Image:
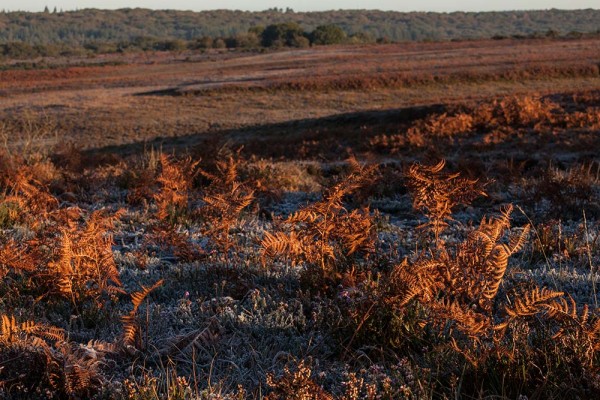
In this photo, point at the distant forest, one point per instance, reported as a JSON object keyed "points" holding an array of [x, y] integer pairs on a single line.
{"points": [[76, 28]]}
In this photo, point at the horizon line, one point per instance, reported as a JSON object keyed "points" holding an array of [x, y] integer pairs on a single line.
{"points": [[284, 11]]}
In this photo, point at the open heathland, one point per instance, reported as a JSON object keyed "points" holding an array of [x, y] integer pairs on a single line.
{"points": [[417, 220]]}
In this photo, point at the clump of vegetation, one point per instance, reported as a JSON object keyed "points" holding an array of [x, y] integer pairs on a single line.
{"points": [[436, 194], [225, 199], [324, 235], [175, 181]]}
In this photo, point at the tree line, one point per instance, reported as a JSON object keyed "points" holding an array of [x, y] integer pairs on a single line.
{"points": [[272, 36], [27, 35], [78, 27]]}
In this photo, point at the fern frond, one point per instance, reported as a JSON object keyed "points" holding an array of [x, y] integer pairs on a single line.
{"points": [[279, 243], [13, 332], [16, 258], [468, 321], [138, 297], [435, 193], [562, 308], [497, 269], [80, 370], [532, 302], [420, 280], [130, 327], [518, 241]]}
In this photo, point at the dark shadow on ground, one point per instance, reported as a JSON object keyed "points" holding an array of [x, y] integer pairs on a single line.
{"points": [[336, 137], [327, 138]]}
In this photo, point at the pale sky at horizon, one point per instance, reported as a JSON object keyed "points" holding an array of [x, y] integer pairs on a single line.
{"points": [[303, 5]]}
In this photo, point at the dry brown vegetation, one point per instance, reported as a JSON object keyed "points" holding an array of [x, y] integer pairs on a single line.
{"points": [[425, 250], [224, 92]]}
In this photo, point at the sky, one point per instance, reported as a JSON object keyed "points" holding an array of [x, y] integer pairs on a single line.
{"points": [[304, 5]]}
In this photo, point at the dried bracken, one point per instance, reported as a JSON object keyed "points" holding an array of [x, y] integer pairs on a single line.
{"points": [[31, 332], [175, 181], [15, 258], [340, 278], [131, 328], [225, 199], [324, 232], [69, 369], [436, 193], [469, 273], [84, 267], [525, 111], [442, 125], [31, 198]]}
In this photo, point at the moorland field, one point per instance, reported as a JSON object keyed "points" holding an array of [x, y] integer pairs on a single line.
{"points": [[375, 221]]}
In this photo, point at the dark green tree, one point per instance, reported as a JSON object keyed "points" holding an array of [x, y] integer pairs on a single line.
{"points": [[279, 35], [328, 34]]}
